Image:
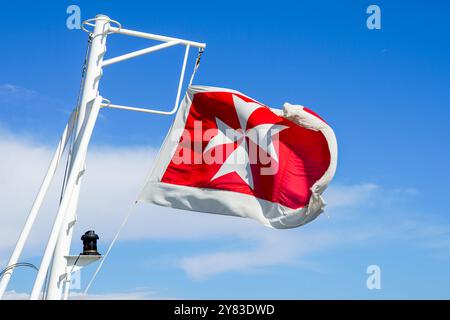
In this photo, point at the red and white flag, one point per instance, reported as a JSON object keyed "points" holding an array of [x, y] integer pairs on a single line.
{"points": [[229, 154]]}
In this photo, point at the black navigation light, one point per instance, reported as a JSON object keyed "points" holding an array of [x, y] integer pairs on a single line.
{"points": [[90, 243]]}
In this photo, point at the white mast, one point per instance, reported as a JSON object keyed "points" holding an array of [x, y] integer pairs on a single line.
{"points": [[58, 277], [58, 245]]}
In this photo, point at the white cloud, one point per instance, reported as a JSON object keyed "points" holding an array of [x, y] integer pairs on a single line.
{"points": [[12, 91], [138, 294], [273, 247], [349, 195], [12, 95], [135, 294], [113, 179], [30, 108], [13, 295]]}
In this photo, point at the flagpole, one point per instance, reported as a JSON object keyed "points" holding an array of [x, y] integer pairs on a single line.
{"points": [[58, 245]]}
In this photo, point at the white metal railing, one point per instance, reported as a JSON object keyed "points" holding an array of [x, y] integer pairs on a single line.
{"points": [[148, 50], [156, 37], [167, 43], [138, 53]]}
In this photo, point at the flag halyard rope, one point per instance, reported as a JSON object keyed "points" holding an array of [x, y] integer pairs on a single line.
{"points": [[197, 64], [130, 211]]}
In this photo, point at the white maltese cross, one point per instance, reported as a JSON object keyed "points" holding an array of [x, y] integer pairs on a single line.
{"points": [[238, 161]]}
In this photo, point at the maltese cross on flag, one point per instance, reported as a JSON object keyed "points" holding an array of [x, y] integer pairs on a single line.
{"points": [[228, 154]]}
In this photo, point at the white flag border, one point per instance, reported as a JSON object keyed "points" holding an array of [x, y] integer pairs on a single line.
{"points": [[233, 203]]}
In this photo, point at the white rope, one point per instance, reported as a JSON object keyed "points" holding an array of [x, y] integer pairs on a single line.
{"points": [[124, 222]]}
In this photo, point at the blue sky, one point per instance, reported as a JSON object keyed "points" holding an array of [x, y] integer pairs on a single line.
{"points": [[385, 92]]}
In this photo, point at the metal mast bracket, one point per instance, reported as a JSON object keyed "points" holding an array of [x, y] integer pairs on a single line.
{"points": [[167, 42], [76, 263]]}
